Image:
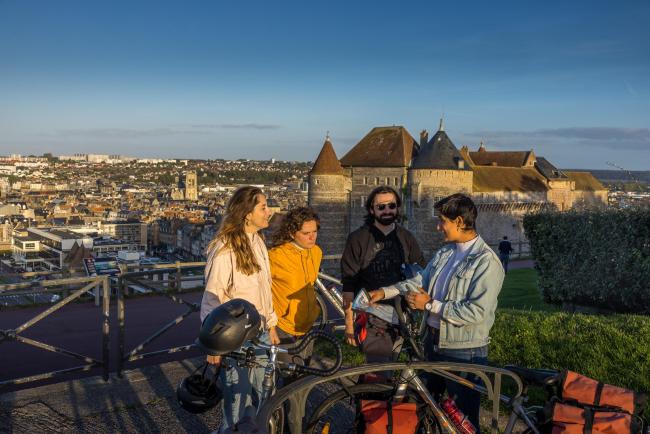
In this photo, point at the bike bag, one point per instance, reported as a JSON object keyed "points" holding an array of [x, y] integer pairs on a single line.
{"points": [[584, 405], [386, 417]]}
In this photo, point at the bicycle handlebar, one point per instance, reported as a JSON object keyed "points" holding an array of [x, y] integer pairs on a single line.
{"points": [[249, 355]]}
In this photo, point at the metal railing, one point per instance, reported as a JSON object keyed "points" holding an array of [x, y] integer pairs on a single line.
{"points": [[99, 284], [174, 284], [166, 280]]}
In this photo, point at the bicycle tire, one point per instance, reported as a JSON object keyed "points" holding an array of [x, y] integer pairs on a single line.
{"points": [[370, 391]]}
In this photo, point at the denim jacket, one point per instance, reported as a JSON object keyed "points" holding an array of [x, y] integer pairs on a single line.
{"points": [[468, 309]]}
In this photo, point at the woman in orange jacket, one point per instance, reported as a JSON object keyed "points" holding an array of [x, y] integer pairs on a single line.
{"points": [[295, 260]]}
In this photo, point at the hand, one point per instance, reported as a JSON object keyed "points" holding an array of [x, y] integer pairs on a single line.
{"points": [[273, 336], [350, 339], [417, 300], [376, 295], [214, 360]]}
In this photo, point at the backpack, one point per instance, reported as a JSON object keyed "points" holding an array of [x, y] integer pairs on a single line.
{"points": [[386, 417], [584, 405]]}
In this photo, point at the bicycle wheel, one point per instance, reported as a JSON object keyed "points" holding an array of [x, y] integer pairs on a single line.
{"points": [[321, 320], [339, 412]]}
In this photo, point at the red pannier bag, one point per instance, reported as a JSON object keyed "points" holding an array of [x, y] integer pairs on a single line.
{"points": [[584, 405], [385, 417]]}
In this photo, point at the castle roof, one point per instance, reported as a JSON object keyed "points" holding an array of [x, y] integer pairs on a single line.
{"points": [[383, 147], [585, 181], [502, 158], [505, 179], [326, 163], [548, 170], [439, 153]]}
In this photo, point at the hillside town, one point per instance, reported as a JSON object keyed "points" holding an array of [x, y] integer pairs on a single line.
{"points": [[56, 211]]}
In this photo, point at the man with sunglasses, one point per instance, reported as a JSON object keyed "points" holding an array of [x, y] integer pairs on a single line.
{"points": [[373, 258]]}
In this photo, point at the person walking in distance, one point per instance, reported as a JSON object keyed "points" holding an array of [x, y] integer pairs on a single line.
{"points": [[505, 249], [238, 267], [372, 258]]}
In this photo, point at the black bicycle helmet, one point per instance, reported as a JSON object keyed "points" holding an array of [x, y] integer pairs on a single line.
{"points": [[228, 326], [199, 392]]}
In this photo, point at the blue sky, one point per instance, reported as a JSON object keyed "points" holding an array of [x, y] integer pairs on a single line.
{"points": [[209, 79]]}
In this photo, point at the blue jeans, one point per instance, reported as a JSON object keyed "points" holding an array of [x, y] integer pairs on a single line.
{"points": [[242, 389], [467, 400]]}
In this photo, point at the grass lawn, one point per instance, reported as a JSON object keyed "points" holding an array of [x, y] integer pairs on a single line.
{"points": [[520, 291]]}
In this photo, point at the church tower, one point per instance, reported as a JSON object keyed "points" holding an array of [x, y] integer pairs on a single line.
{"points": [[329, 192]]}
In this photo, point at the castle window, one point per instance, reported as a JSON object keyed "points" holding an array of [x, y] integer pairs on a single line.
{"points": [[387, 180], [363, 201], [377, 181], [365, 180], [396, 181], [317, 181]]}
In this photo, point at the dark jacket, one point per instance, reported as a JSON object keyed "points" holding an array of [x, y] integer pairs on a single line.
{"points": [[360, 250]]}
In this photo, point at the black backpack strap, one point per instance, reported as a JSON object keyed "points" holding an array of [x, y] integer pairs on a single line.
{"points": [[599, 391], [389, 411], [589, 420]]}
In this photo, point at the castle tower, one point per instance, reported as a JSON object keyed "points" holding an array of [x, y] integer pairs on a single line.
{"points": [[329, 192], [437, 171]]}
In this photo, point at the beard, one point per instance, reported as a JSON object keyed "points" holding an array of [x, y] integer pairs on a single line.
{"points": [[386, 219]]}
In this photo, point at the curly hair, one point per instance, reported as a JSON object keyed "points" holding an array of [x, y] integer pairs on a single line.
{"points": [[292, 222], [231, 232]]}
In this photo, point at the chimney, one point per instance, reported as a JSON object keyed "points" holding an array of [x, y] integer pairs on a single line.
{"points": [[424, 138]]}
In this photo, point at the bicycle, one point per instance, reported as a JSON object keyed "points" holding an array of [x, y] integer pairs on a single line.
{"points": [[248, 359], [328, 296], [409, 387]]}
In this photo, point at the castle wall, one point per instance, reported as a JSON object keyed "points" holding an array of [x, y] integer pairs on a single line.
{"points": [[561, 194], [426, 187], [329, 197]]}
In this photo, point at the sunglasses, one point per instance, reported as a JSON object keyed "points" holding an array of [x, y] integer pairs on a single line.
{"points": [[382, 206]]}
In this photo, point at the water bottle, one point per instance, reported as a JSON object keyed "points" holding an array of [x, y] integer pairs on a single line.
{"points": [[457, 417]]}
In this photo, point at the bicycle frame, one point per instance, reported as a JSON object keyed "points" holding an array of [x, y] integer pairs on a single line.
{"points": [[331, 295]]}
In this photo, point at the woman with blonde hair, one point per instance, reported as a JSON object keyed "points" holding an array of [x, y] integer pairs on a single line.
{"points": [[238, 267]]}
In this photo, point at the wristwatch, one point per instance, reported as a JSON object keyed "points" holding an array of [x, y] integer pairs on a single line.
{"points": [[429, 305]]}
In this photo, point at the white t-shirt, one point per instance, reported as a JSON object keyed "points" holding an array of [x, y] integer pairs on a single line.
{"points": [[441, 285]]}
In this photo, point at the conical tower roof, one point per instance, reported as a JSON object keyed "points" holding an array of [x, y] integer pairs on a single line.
{"points": [[326, 163], [439, 153]]}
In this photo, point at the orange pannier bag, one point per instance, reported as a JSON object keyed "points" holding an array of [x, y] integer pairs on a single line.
{"points": [[385, 417], [584, 405]]}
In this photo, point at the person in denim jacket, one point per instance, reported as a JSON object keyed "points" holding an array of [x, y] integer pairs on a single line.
{"points": [[458, 291]]}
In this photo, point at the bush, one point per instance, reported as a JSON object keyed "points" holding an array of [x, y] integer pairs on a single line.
{"points": [[613, 348], [596, 258]]}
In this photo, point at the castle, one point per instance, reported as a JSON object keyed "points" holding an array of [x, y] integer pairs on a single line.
{"points": [[504, 185]]}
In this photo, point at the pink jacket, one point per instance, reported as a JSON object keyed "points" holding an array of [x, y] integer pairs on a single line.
{"points": [[221, 270]]}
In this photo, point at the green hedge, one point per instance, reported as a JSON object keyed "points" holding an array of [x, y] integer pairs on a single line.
{"points": [[596, 258], [613, 348]]}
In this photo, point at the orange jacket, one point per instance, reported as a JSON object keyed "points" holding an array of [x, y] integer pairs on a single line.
{"points": [[293, 273]]}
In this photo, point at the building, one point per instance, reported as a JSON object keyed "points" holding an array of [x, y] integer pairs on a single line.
{"points": [[133, 232], [186, 187], [504, 185]]}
